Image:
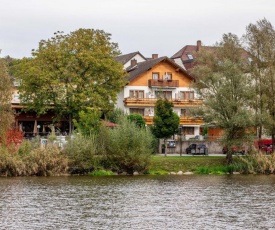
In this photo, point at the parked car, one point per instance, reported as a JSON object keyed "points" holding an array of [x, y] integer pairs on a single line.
{"points": [[264, 145], [234, 149], [171, 144], [197, 149], [267, 149]]}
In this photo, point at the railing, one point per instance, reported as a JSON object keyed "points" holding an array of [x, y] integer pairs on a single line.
{"points": [[191, 120], [183, 120], [163, 83], [151, 102]]}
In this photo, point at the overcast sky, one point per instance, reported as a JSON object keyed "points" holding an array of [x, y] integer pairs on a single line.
{"points": [[149, 26]]}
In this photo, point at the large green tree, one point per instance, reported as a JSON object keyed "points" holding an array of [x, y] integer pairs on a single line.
{"points": [[166, 122], [226, 89], [6, 90], [260, 38], [70, 72]]}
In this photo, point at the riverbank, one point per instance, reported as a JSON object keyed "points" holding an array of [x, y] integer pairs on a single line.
{"points": [[161, 165]]}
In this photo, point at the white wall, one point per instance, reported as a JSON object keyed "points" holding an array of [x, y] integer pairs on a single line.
{"points": [[137, 57]]}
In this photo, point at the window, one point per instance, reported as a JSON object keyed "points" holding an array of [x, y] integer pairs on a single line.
{"points": [[167, 76], [185, 112], [188, 130], [190, 56], [164, 94], [155, 76], [136, 94], [137, 110], [188, 95]]}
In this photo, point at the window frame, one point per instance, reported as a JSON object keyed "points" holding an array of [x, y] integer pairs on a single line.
{"points": [[155, 73], [187, 95], [136, 93], [140, 111]]}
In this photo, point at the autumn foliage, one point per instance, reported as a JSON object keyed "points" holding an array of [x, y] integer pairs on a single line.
{"points": [[14, 137]]}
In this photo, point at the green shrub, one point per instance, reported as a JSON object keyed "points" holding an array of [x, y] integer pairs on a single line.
{"points": [[82, 154], [129, 148], [138, 119], [101, 173], [25, 148]]}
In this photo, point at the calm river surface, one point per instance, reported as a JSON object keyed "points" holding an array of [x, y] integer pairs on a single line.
{"points": [[138, 202]]}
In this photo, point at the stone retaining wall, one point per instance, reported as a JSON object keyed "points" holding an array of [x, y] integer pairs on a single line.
{"points": [[213, 146]]}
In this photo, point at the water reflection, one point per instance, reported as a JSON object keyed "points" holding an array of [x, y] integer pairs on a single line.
{"points": [[143, 202]]}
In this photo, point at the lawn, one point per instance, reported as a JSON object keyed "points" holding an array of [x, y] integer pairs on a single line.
{"points": [[165, 165]]}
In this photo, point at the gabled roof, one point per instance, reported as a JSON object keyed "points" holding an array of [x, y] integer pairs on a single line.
{"points": [[141, 67], [127, 57], [186, 51], [190, 49]]}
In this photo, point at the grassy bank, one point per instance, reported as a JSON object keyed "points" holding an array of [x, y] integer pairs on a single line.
{"points": [[199, 164]]}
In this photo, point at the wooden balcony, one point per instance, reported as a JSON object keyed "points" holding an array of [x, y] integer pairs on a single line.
{"points": [[163, 83], [183, 120], [146, 102], [191, 120]]}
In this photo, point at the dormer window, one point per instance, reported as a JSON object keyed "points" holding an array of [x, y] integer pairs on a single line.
{"points": [[190, 56]]}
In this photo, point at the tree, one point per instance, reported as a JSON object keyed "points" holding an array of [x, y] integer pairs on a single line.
{"points": [[115, 115], [68, 73], [137, 119], [6, 90], [226, 90], [166, 122], [260, 38], [89, 122]]}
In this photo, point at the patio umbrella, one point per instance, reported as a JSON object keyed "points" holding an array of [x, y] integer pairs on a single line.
{"points": [[35, 127], [20, 127]]}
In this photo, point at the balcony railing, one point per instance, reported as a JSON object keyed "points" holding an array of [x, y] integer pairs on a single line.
{"points": [[183, 120], [144, 102], [163, 83]]}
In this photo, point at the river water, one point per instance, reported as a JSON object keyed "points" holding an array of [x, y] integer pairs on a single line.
{"points": [[138, 202]]}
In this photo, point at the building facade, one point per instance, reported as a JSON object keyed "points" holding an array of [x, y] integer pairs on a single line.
{"points": [[156, 78]]}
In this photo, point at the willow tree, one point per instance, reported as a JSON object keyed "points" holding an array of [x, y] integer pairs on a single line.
{"points": [[72, 72], [6, 115], [260, 38], [226, 89]]}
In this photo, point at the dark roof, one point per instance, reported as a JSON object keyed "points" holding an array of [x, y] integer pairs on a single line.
{"points": [[141, 67], [193, 49], [190, 49], [127, 57]]}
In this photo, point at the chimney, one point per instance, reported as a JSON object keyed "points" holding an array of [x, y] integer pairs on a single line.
{"points": [[198, 45], [133, 62], [155, 56]]}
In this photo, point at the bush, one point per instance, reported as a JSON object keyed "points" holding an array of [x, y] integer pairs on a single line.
{"points": [[257, 162], [101, 173], [129, 148], [82, 154], [10, 164], [32, 162], [46, 161]]}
